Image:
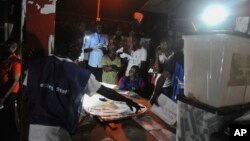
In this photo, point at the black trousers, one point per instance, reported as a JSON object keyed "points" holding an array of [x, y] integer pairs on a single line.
{"points": [[8, 121], [97, 72]]}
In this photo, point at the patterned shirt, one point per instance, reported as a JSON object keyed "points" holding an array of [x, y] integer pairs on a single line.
{"points": [[110, 77]]}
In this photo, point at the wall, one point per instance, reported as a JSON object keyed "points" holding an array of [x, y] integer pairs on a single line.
{"points": [[40, 24]]}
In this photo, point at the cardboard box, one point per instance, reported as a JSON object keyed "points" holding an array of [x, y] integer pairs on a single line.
{"points": [[217, 69]]}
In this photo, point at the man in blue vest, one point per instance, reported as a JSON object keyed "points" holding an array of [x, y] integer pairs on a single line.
{"points": [[55, 86]]}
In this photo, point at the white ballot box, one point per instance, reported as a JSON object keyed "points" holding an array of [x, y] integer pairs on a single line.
{"points": [[217, 69], [198, 122]]}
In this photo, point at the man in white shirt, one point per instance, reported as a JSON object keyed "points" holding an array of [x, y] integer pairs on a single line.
{"points": [[138, 55], [95, 45]]}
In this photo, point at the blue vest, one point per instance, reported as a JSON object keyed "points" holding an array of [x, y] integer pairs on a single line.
{"points": [[55, 91], [177, 81]]}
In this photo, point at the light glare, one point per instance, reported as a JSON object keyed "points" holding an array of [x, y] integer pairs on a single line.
{"points": [[214, 15]]}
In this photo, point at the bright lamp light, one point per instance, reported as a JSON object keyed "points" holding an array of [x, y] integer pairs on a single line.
{"points": [[214, 15]]}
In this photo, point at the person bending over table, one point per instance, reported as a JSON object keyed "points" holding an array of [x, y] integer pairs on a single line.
{"points": [[55, 86]]}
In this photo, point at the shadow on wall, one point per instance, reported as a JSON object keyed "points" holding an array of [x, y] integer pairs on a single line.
{"points": [[32, 49]]}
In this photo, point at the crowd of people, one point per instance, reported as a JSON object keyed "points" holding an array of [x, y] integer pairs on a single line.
{"points": [[111, 57], [53, 86]]}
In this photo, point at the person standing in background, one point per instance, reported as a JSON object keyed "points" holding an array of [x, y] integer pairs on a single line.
{"points": [[111, 65], [84, 56], [137, 57], [10, 72], [96, 45]]}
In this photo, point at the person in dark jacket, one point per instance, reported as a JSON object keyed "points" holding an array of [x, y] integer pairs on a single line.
{"points": [[55, 86]]}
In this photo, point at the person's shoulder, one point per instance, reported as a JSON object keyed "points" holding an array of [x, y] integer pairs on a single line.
{"points": [[14, 58], [92, 35], [142, 48], [124, 78], [117, 58], [105, 56], [44, 59], [104, 35]]}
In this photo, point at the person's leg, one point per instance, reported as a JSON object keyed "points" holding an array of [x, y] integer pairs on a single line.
{"points": [[8, 125]]}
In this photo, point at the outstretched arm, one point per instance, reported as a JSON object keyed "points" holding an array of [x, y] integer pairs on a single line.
{"points": [[113, 95], [94, 86], [13, 84], [159, 84]]}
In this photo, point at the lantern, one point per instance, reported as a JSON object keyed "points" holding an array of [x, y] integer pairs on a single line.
{"points": [[138, 16]]}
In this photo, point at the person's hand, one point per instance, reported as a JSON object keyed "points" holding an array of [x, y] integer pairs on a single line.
{"points": [[103, 48], [154, 101], [100, 45], [120, 50], [125, 55], [132, 104], [76, 61], [107, 68], [114, 67], [88, 49]]}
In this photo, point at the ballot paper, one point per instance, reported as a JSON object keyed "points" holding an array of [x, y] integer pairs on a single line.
{"points": [[111, 86], [123, 92], [114, 111], [167, 109], [108, 110]]}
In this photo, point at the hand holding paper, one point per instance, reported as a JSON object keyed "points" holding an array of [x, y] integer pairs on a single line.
{"points": [[100, 45], [125, 55], [120, 50]]}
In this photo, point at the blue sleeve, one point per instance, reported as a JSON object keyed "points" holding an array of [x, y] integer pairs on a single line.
{"points": [[88, 42], [122, 84], [136, 84]]}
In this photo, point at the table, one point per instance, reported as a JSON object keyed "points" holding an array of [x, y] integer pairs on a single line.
{"points": [[128, 129]]}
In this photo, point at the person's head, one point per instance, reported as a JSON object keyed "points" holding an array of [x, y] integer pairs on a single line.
{"points": [[121, 44], [67, 48], [166, 46], [98, 28], [10, 46], [134, 71], [163, 44], [82, 27], [118, 31], [135, 42], [111, 50]]}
